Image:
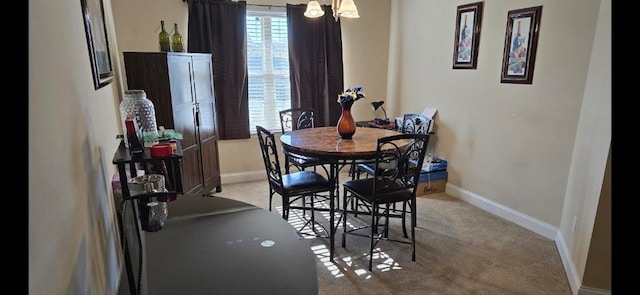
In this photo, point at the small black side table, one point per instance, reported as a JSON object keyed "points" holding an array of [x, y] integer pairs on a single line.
{"points": [[128, 219]]}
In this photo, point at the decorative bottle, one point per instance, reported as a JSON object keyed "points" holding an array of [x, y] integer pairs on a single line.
{"points": [[163, 37], [136, 104], [176, 40]]}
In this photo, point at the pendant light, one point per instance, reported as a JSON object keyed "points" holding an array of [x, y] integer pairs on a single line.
{"points": [[348, 9], [313, 10], [344, 8]]}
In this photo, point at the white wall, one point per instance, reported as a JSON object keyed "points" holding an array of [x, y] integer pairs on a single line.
{"points": [[536, 152], [73, 242], [509, 143], [527, 147], [590, 150]]}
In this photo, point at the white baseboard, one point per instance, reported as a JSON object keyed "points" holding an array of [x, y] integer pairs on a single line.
{"points": [[243, 176], [593, 291], [537, 226], [540, 227], [571, 272], [567, 262]]}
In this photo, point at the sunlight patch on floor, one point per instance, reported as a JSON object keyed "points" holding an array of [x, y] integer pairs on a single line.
{"points": [[358, 264], [322, 253]]}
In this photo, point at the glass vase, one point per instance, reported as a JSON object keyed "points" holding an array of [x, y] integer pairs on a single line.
{"points": [[136, 104], [346, 125]]}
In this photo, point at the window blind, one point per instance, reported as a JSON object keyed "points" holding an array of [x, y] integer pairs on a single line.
{"points": [[268, 68]]}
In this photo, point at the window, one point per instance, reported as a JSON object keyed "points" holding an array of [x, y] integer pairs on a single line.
{"points": [[268, 67]]}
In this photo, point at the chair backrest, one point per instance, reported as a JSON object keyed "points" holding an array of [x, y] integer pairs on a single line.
{"points": [[270, 155], [296, 118], [399, 164], [415, 123]]}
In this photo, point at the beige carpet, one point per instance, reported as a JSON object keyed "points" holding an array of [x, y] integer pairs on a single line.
{"points": [[460, 249]]}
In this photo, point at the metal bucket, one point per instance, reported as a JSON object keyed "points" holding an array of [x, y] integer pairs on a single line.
{"points": [[151, 183]]}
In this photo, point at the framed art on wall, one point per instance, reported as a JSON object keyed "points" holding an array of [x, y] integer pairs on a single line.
{"points": [[96, 31], [520, 44], [467, 38]]}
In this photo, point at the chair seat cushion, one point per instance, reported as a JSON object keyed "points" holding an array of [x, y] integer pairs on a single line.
{"points": [[303, 161], [305, 181], [363, 188], [382, 167]]}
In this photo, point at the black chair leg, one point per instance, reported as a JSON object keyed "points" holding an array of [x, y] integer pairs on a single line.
{"points": [[413, 236], [373, 232], [311, 211], [285, 208], [404, 217], [331, 226], [386, 220], [344, 217]]}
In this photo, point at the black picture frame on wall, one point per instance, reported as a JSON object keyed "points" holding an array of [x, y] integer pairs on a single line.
{"points": [[97, 41], [520, 45], [467, 37]]}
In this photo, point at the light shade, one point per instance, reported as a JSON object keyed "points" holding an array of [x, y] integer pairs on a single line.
{"points": [[313, 10], [345, 8], [377, 104], [348, 9]]}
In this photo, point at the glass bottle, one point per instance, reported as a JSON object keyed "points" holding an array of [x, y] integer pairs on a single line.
{"points": [[136, 104], [163, 37], [176, 40]]}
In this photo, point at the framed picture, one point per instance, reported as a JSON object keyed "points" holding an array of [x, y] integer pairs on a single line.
{"points": [[467, 39], [96, 29], [520, 42]]}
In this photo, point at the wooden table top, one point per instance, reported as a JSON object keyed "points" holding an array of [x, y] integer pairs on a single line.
{"points": [[325, 142]]}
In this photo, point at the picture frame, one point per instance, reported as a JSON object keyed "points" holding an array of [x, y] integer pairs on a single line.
{"points": [[467, 36], [520, 45], [97, 41]]}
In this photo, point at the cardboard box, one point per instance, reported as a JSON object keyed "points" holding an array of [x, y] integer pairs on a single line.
{"points": [[432, 183]]}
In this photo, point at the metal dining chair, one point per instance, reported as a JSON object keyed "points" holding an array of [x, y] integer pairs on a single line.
{"points": [[396, 178], [411, 124], [303, 190], [293, 119]]}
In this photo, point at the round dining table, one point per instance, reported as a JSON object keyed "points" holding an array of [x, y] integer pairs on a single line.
{"points": [[325, 143]]}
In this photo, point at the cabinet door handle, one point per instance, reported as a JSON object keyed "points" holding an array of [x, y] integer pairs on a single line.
{"points": [[197, 118]]}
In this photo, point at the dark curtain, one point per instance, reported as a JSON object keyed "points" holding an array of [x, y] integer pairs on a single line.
{"points": [[219, 27], [315, 62]]}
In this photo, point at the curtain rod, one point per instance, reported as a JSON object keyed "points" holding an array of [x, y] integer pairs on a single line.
{"points": [[266, 5], [259, 5]]}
